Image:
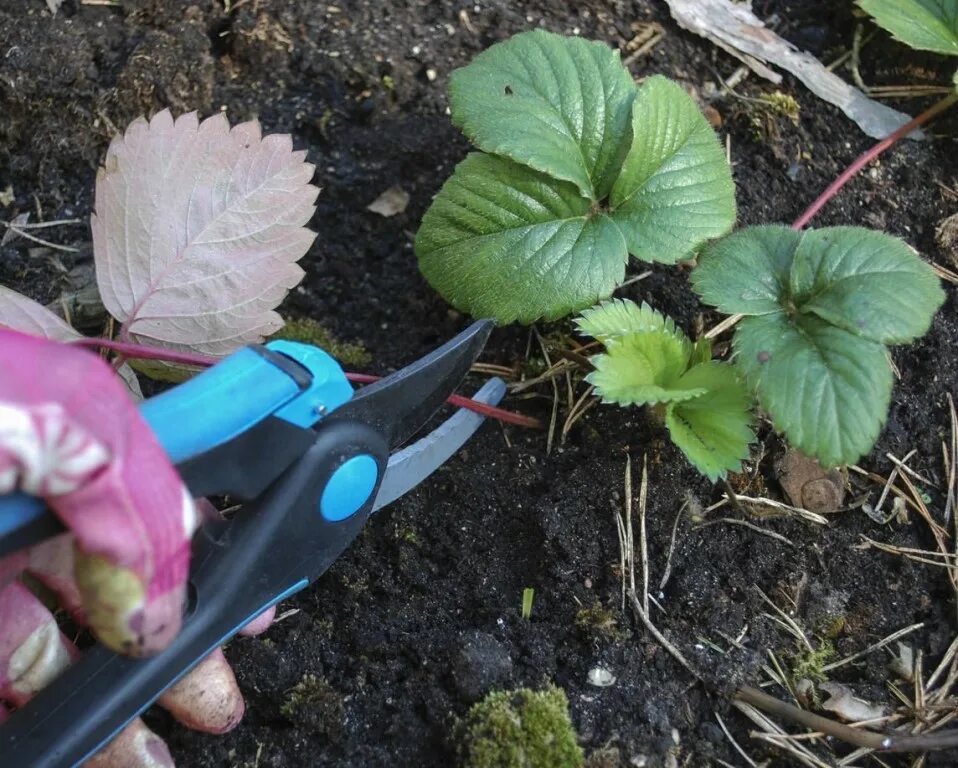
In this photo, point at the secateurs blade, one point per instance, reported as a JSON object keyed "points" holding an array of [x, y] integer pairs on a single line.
{"points": [[281, 428]]}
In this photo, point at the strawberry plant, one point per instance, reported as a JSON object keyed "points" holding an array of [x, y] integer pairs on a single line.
{"points": [[928, 25], [820, 307], [578, 168], [648, 361], [196, 235]]}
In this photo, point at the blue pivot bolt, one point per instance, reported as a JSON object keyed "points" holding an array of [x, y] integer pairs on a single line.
{"points": [[349, 488]]}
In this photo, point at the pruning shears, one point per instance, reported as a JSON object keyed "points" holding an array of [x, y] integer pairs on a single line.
{"points": [[280, 428]]}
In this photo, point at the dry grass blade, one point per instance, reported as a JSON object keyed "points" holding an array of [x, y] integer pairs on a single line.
{"points": [[786, 620], [774, 734], [945, 274], [643, 541], [746, 524], [555, 393], [553, 372], [733, 742], [578, 410], [874, 647], [925, 556], [951, 463], [762, 507], [668, 559]]}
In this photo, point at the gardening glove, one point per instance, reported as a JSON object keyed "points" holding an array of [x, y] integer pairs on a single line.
{"points": [[70, 434]]}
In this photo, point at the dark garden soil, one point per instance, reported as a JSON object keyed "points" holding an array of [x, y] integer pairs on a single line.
{"points": [[422, 615]]}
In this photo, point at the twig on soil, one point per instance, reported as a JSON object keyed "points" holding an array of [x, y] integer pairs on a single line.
{"points": [[883, 742], [773, 733]]}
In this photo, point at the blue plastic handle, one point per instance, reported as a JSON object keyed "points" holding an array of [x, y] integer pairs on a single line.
{"points": [[219, 404]]}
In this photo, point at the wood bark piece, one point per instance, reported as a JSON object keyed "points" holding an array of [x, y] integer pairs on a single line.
{"points": [[739, 32]]}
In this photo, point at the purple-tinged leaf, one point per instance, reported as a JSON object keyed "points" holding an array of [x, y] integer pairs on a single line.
{"points": [[197, 231], [19, 313]]}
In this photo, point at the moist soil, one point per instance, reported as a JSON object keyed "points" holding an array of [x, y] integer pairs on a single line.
{"points": [[421, 616]]}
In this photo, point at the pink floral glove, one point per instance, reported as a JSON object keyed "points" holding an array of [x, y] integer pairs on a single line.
{"points": [[70, 434]]}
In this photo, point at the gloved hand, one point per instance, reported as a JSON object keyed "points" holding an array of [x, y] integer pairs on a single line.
{"points": [[70, 434]]}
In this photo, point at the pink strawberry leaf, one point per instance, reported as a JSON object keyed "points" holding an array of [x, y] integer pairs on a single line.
{"points": [[197, 231], [19, 313]]}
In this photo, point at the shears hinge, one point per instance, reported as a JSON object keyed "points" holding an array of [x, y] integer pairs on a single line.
{"points": [[327, 390]]}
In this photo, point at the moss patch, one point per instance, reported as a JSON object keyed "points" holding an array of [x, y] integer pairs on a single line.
{"points": [[314, 705], [309, 331], [519, 729]]}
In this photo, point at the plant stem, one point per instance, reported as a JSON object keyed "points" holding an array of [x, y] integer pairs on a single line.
{"points": [[880, 742], [847, 175], [146, 352], [866, 157]]}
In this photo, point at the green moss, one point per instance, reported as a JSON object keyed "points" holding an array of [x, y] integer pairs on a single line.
{"points": [[313, 704], [519, 729], [807, 665], [598, 623], [310, 332]]}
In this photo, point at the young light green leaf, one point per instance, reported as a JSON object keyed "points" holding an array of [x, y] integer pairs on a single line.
{"points": [[929, 25], [713, 430], [675, 190], [504, 241], [701, 352], [197, 231], [621, 317], [825, 388], [866, 282], [642, 368], [748, 271], [19, 313], [560, 105]]}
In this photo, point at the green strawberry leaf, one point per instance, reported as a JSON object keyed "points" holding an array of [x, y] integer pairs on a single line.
{"points": [[701, 352], [825, 388], [504, 241], [747, 272], [929, 25], [675, 190], [642, 368], [866, 282], [713, 430], [621, 317], [560, 105]]}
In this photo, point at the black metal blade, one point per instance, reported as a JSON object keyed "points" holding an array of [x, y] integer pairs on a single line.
{"points": [[399, 405]]}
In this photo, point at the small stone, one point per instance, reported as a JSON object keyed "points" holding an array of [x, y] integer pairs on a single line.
{"points": [[809, 486], [483, 663], [431, 74], [600, 677], [947, 235]]}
